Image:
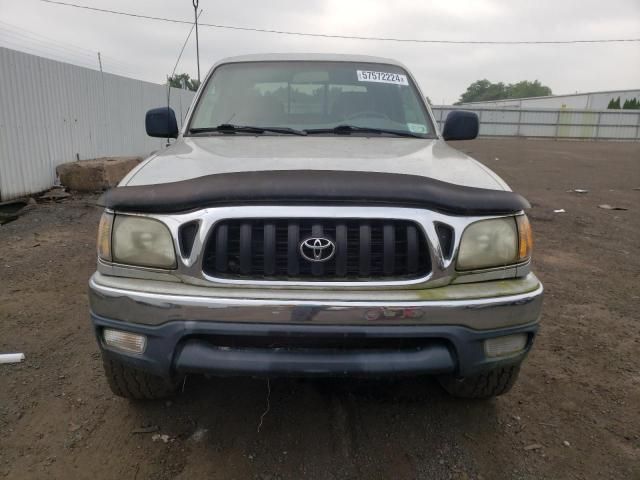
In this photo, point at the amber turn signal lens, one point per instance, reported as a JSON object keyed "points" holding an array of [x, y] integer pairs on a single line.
{"points": [[104, 236], [525, 238]]}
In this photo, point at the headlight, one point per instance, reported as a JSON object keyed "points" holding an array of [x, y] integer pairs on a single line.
{"points": [[495, 243], [142, 241]]}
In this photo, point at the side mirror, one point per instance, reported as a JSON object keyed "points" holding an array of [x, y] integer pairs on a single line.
{"points": [[461, 125], [161, 122]]}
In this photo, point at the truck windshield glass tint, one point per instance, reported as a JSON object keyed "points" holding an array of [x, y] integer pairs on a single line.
{"points": [[313, 95]]}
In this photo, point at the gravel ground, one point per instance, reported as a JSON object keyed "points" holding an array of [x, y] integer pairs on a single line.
{"points": [[575, 412]]}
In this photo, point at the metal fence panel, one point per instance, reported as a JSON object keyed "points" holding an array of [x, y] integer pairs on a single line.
{"points": [[553, 123], [53, 112], [587, 100]]}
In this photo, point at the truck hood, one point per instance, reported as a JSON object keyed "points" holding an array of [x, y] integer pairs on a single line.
{"points": [[193, 157]]}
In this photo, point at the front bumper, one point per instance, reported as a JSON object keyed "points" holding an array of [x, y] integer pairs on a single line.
{"points": [[189, 333]]}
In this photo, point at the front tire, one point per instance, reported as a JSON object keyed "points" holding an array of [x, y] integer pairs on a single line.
{"points": [[492, 383], [129, 382]]}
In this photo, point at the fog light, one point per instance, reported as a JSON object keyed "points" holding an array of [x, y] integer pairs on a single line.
{"points": [[507, 345], [126, 341]]}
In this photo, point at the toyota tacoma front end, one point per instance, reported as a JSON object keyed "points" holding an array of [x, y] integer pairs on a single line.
{"points": [[311, 220]]}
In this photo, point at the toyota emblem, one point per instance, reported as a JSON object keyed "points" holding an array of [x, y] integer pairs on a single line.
{"points": [[317, 249]]}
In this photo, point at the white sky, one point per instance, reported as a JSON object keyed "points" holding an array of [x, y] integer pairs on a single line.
{"points": [[148, 49]]}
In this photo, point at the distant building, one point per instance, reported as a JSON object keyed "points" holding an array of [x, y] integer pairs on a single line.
{"points": [[585, 101]]}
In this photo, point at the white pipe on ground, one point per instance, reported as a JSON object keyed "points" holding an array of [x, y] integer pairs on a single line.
{"points": [[11, 357]]}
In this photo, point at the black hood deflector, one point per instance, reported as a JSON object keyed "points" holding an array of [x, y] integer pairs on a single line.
{"points": [[309, 187]]}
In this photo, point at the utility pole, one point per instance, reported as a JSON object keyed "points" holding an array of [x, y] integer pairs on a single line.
{"points": [[195, 14], [100, 62]]}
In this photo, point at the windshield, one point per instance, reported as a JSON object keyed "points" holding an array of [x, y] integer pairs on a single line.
{"points": [[312, 96]]}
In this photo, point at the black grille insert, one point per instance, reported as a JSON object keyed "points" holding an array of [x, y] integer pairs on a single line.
{"points": [[446, 238], [186, 236], [269, 249]]}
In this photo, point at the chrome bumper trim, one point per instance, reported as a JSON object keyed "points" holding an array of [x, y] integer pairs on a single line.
{"points": [[153, 308]]}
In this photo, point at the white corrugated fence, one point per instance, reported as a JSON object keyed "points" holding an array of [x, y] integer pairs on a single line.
{"points": [[581, 101], [551, 123], [53, 112]]}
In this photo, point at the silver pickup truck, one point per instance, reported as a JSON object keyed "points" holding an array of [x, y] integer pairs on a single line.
{"points": [[311, 220]]}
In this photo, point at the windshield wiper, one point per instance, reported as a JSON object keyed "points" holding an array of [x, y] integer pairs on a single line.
{"points": [[347, 129], [229, 128]]}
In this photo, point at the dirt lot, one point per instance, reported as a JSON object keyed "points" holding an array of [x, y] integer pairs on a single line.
{"points": [[575, 412]]}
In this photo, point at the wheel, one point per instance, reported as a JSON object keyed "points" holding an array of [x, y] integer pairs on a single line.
{"points": [[129, 382], [485, 385]]}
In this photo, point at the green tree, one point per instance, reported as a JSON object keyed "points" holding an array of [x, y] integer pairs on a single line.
{"points": [[526, 89], [614, 104], [632, 104], [481, 90], [485, 90], [180, 79]]}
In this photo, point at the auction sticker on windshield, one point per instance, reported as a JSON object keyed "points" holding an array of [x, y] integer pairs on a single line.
{"points": [[382, 77]]}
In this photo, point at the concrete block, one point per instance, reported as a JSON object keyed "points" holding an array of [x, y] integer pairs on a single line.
{"points": [[96, 174]]}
